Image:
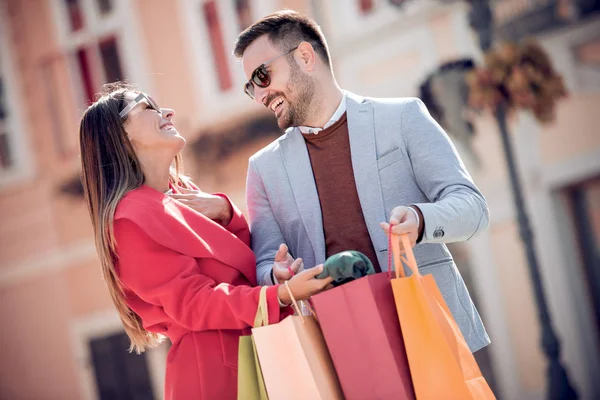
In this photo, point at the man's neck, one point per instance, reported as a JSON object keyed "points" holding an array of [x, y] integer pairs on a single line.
{"points": [[328, 102]]}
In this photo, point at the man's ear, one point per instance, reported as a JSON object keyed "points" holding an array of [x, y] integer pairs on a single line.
{"points": [[307, 56]]}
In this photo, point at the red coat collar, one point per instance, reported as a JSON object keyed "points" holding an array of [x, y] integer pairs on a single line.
{"points": [[182, 229]]}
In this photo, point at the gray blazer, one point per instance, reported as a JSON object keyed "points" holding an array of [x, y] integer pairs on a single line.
{"points": [[400, 156]]}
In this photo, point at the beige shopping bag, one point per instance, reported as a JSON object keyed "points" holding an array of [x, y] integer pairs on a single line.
{"points": [[295, 361]]}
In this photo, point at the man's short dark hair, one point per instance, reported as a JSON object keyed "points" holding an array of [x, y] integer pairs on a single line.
{"points": [[285, 29]]}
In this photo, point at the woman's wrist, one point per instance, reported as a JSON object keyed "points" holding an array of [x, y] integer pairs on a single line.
{"points": [[283, 296]]}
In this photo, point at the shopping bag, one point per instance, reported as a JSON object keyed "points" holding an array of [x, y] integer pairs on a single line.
{"points": [[294, 359], [250, 380], [360, 325], [441, 364]]}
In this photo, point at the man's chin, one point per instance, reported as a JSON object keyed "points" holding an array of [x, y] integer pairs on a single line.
{"points": [[283, 123]]}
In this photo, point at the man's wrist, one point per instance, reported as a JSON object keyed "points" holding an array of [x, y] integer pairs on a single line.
{"points": [[420, 220]]}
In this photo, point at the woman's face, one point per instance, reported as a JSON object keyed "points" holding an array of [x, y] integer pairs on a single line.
{"points": [[150, 127]]}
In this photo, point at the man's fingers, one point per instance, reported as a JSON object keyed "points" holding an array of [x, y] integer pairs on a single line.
{"points": [[296, 265], [398, 216], [281, 253], [401, 228], [396, 229], [386, 227]]}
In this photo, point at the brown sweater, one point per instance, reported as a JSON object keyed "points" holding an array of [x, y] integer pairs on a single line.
{"points": [[343, 221]]}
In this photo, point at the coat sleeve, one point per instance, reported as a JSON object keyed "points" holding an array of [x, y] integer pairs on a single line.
{"points": [[265, 231], [163, 277], [238, 224], [457, 210]]}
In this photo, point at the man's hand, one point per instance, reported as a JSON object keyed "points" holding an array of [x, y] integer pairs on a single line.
{"points": [[214, 207], [404, 220], [284, 266]]}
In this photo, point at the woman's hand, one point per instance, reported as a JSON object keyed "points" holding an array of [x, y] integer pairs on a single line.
{"points": [[214, 207], [304, 285]]}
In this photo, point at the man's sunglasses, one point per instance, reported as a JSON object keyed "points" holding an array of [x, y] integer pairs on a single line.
{"points": [[260, 77], [139, 98]]}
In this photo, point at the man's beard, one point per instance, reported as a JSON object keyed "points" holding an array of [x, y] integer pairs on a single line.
{"points": [[304, 88]]}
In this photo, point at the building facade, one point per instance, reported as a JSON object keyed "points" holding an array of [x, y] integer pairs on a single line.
{"points": [[61, 339]]}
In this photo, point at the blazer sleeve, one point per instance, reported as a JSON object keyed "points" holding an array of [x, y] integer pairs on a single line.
{"points": [[457, 209], [265, 231], [173, 281]]}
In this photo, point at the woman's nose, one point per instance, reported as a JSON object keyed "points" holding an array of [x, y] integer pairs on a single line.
{"points": [[167, 113]]}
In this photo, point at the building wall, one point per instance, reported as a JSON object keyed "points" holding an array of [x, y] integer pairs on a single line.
{"points": [[52, 297]]}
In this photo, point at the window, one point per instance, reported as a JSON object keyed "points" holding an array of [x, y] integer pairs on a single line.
{"points": [[15, 159], [584, 199], [110, 60], [217, 44], [366, 6], [6, 153], [244, 14], [85, 73], [120, 375], [104, 6], [93, 47], [75, 14]]}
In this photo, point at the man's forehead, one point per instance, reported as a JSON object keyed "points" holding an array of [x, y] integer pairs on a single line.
{"points": [[258, 52]]}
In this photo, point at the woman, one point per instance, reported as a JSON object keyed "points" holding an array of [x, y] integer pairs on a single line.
{"points": [[170, 269]]}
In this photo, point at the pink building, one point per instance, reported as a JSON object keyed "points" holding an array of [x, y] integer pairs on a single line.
{"points": [[61, 339]]}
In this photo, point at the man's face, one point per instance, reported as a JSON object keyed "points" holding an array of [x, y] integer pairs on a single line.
{"points": [[290, 91]]}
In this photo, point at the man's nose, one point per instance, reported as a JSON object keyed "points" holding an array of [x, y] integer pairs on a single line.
{"points": [[260, 94]]}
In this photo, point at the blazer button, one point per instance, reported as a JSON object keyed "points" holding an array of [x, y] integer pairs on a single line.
{"points": [[438, 233]]}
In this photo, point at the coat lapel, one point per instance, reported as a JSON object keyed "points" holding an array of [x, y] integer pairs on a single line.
{"points": [[361, 130], [302, 181], [179, 228]]}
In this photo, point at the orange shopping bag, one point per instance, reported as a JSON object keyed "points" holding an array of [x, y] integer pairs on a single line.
{"points": [[441, 364]]}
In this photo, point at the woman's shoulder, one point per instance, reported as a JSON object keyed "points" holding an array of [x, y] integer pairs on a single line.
{"points": [[143, 202]]}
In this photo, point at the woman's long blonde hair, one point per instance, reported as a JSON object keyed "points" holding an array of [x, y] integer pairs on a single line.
{"points": [[109, 170]]}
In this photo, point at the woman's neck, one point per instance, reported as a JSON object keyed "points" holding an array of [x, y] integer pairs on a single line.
{"points": [[156, 171]]}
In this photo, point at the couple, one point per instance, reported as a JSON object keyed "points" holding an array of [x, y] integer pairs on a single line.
{"points": [[181, 263]]}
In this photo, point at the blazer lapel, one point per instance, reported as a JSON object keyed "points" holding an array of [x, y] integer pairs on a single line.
{"points": [[361, 130], [302, 181]]}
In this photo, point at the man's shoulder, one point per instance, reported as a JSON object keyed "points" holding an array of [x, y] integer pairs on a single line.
{"points": [[393, 101], [272, 150], [385, 103]]}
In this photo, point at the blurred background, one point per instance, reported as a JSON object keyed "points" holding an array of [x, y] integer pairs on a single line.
{"points": [[59, 335]]}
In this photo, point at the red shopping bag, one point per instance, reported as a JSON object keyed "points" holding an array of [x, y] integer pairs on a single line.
{"points": [[360, 326]]}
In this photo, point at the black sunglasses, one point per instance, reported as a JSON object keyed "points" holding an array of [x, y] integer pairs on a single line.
{"points": [[260, 76]]}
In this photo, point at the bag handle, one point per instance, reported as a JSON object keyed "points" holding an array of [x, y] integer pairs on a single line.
{"points": [[295, 304], [262, 312], [395, 252]]}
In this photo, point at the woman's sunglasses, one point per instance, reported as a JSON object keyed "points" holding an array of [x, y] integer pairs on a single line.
{"points": [[260, 77], [139, 98]]}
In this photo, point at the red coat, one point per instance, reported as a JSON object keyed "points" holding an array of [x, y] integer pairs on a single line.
{"points": [[192, 280]]}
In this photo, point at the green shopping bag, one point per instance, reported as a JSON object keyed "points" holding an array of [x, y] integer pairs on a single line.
{"points": [[251, 385]]}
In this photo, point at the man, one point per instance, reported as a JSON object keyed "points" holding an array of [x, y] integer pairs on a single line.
{"points": [[345, 164]]}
